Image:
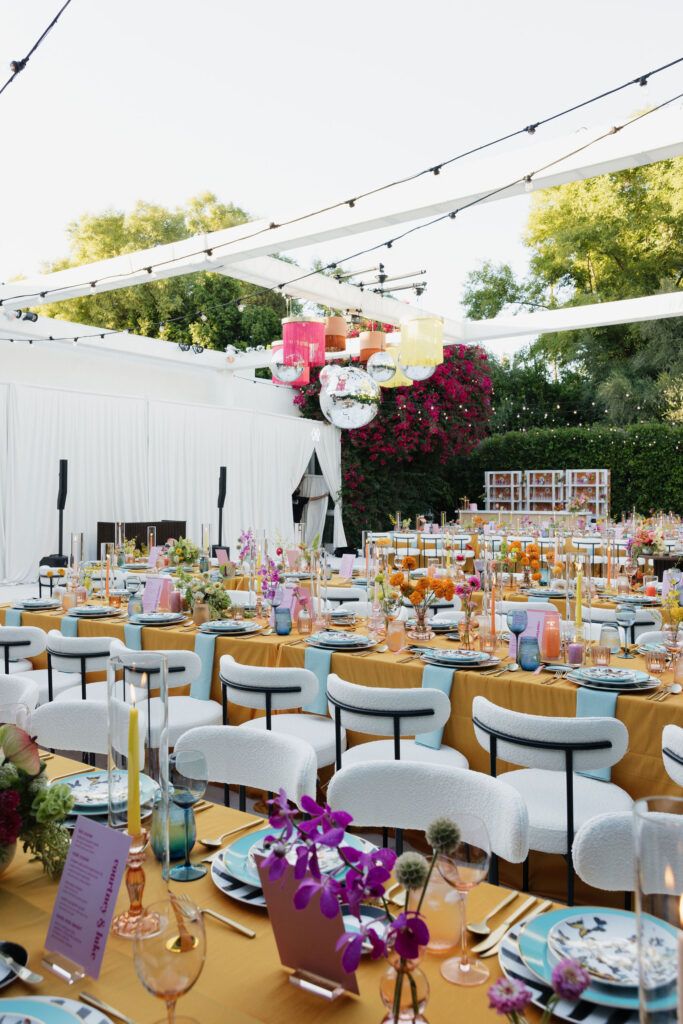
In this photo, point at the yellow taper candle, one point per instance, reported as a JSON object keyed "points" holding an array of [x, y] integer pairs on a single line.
{"points": [[578, 596], [134, 823]]}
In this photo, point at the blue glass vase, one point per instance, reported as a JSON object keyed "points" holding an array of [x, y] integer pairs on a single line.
{"points": [[529, 653], [283, 621], [176, 830]]}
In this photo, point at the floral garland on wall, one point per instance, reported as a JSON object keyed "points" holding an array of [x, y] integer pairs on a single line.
{"points": [[425, 424]]}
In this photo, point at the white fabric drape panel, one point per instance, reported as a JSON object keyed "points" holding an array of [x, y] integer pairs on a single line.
{"points": [[134, 459], [4, 483], [104, 439], [328, 450], [313, 486]]}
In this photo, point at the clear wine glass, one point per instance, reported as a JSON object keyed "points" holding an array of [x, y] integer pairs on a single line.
{"points": [[188, 775], [517, 623], [464, 868], [631, 568], [626, 618], [169, 961]]}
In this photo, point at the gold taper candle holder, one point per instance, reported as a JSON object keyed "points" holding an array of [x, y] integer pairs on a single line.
{"points": [[127, 923]]}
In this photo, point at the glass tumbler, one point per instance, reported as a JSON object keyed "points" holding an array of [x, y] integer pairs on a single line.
{"points": [[529, 653], [609, 637]]}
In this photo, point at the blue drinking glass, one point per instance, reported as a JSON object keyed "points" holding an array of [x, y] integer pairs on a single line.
{"points": [[529, 653], [283, 621], [517, 623], [188, 775]]}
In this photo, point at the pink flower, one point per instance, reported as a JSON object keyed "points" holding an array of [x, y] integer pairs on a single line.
{"points": [[10, 819], [508, 996], [569, 979]]}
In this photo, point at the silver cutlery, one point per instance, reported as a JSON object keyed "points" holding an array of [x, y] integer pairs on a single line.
{"points": [[494, 938], [90, 1000], [668, 691], [185, 900], [21, 972]]}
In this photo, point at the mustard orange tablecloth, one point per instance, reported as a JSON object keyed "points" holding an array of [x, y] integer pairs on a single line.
{"points": [[242, 980]]}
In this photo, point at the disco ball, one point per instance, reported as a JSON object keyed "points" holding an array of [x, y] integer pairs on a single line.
{"points": [[230, 353], [417, 372], [327, 372], [350, 399], [382, 367], [288, 374]]}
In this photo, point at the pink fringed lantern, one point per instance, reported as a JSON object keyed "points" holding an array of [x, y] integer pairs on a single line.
{"points": [[303, 340]]}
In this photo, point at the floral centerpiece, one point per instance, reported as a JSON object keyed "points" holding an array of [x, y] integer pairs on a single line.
{"points": [[201, 589], [404, 989], [580, 503], [646, 542], [246, 546], [182, 551], [387, 596], [465, 591], [674, 608], [28, 809], [270, 576], [421, 593], [510, 997]]}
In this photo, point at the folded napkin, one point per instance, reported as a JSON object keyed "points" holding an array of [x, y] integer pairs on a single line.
{"points": [[596, 704], [204, 646], [435, 678], [69, 625], [318, 661], [133, 636], [13, 617]]}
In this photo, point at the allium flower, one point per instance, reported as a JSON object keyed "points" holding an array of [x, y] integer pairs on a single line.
{"points": [[411, 870], [569, 979], [443, 835], [508, 996]]}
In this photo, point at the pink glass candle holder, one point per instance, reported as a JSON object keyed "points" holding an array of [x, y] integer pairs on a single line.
{"points": [[136, 916]]}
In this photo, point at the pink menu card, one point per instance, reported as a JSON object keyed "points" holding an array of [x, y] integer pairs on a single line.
{"points": [[152, 594], [346, 567], [88, 889], [153, 556], [222, 556]]}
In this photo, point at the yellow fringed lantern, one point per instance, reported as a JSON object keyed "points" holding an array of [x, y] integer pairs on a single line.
{"points": [[421, 341], [399, 380]]}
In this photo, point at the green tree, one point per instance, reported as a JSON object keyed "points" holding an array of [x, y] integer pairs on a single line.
{"points": [[166, 308]]}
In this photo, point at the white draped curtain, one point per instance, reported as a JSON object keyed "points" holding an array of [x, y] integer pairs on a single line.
{"points": [[314, 488], [328, 450], [133, 459]]}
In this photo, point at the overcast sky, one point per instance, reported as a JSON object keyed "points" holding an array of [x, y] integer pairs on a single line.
{"points": [[279, 106]]}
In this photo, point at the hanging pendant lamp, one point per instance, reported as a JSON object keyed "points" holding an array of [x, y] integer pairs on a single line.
{"points": [[421, 345], [303, 339], [399, 379]]}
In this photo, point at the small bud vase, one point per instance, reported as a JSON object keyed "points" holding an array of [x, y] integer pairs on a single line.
{"points": [[404, 990]]}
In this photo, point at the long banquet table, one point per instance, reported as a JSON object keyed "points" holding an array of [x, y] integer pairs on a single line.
{"points": [[242, 980], [640, 772]]}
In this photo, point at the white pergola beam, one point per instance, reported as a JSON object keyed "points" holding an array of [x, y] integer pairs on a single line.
{"points": [[655, 137]]}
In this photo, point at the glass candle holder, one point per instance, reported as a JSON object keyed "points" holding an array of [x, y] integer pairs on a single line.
{"points": [[650, 585], [396, 635], [600, 656], [658, 842], [200, 613], [529, 653], [655, 662], [575, 652]]}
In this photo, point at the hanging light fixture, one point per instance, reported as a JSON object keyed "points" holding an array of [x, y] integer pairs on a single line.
{"points": [[421, 346], [399, 379], [350, 398], [303, 340], [371, 342], [382, 367], [336, 330], [296, 373]]}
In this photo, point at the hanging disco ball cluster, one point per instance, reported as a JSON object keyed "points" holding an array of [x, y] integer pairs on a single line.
{"points": [[350, 395]]}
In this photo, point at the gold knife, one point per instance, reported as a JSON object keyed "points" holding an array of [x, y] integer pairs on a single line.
{"points": [[540, 909], [494, 938], [85, 997]]}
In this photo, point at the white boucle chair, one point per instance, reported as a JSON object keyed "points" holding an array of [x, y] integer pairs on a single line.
{"points": [[410, 795], [655, 636], [83, 725], [263, 760], [17, 645], [553, 751], [77, 656], [49, 681], [390, 712], [672, 752], [603, 853], [346, 595], [279, 689], [18, 690]]}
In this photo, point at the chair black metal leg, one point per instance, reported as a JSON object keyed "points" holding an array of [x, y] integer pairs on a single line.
{"points": [[570, 881], [385, 837], [493, 869], [627, 901], [525, 875], [398, 841], [226, 795], [243, 798]]}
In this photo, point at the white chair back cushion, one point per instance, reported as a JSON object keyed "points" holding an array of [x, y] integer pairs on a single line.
{"points": [[653, 636], [603, 852], [252, 757], [305, 681], [411, 794], [672, 739], [30, 639], [542, 729], [94, 648], [186, 665], [83, 725], [381, 699], [14, 690]]}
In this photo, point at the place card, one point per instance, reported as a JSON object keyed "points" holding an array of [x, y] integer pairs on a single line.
{"points": [[152, 594], [346, 567], [154, 555], [86, 897], [306, 939]]}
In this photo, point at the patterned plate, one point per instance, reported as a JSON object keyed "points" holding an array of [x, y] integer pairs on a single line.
{"points": [[639, 599], [605, 945], [444, 626], [156, 618], [90, 790], [230, 628], [93, 611], [458, 657], [608, 674], [532, 952], [35, 604], [49, 1010], [338, 640]]}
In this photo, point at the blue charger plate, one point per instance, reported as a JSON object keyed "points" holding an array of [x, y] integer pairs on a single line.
{"points": [[235, 857]]}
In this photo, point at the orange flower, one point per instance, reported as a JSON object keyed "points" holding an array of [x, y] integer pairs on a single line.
{"points": [[409, 562], [550, 558], [416, 597], [449, 590], [406, 589], [437, 588], [422, 584], [382, 542], [536, 576], [534, 563], [557, 570], [396, 579], [525, 560]]}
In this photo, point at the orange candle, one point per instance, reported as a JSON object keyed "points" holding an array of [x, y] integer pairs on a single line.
{"points": [[107, 584], [493, 609], [609, 563]]}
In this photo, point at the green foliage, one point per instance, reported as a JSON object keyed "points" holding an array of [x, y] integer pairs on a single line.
{"points": [[527, 394], [645, 460], [159, 309]]}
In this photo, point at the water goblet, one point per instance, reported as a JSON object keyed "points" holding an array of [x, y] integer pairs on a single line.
{"points": [[631, 569], [625, 617], [465, 867], [188, 775], [169, 960], [517, 623]]}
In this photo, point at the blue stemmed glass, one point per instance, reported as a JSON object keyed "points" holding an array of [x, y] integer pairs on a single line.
{"points": [[188, 776], [626, 618], [517, 623]]}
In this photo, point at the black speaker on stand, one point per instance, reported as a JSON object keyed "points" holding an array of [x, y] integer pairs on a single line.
{"points": [[222, 485], [61, 499]]}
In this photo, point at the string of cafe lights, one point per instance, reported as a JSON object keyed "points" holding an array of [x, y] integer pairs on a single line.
{"points": [[240, 301], [435, 169], [17, 66]]}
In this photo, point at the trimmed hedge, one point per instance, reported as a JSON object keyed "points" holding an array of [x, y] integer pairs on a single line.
{"points": [[646, 461]]}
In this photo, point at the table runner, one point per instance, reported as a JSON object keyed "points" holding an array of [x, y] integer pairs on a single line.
{"points": [[596, 704], [317, 660], [435, 677]]}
